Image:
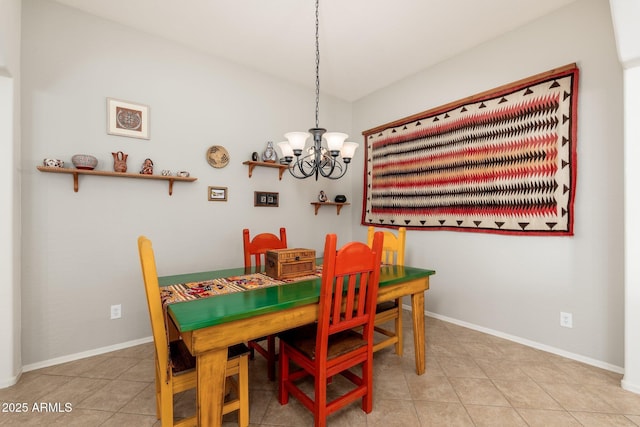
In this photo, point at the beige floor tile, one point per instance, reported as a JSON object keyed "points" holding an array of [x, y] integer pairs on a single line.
{"points": [[76, 390], [493, 416], [478, 391], [144, 403], [438, 414], [143, 371], [433, 388], [390, 413], [130, 420], [576, 397], [508, 370], [547, 418], [32, 387], [115, 395], [593, 419], [461, 367], [111, 367], [526, 394]]}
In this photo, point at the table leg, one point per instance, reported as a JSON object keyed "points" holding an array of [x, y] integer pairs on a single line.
{"points": [[211, 368], [417, 311]]}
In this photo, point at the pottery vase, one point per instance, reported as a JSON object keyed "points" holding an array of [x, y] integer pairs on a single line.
{"points": [[119, 161]]}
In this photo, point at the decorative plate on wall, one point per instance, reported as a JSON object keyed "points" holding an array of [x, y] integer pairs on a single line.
{"points": [[217, 156]]}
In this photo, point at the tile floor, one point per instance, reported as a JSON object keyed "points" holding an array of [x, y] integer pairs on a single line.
{"points": [[472, 379]]}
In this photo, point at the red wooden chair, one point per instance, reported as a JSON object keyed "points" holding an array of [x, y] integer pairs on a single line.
{"points": [[254, 254], [343, 336]]}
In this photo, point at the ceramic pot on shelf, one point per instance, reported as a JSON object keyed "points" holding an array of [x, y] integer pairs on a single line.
{"points": [[119, 161]]}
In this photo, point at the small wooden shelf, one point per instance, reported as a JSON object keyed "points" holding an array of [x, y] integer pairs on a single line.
{"points": [[337, 205], [77, 172], [252, 164]]}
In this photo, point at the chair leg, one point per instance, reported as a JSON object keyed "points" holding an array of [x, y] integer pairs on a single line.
{"points": [[367, 378], [166, 405], [283, 394], [243, 392], [271, 357], [320, 401], [399, 331]]}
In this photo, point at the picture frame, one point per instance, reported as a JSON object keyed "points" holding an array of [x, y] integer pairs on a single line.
{"points": [[217, 194], [266, 199], [126, 118]]}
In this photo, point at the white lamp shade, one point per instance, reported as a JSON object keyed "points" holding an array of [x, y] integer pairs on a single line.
{"points": [[286, 149], [335, 140], [297, 139], [348, 150]]}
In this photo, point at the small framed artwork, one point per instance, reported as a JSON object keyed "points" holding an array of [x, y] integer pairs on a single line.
{"points": [[127, 119], [217, 194], [262, 198]]}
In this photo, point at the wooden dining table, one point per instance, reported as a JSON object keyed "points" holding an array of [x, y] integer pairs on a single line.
{"points": [[208, 326]]}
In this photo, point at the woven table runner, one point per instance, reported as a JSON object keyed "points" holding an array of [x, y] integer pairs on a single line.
{"points": [[208, 288]]}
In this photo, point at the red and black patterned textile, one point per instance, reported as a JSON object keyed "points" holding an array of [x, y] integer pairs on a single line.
{"points": [[500, 162]]}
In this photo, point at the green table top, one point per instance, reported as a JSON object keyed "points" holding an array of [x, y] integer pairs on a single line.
{"points": [[201, 313]]}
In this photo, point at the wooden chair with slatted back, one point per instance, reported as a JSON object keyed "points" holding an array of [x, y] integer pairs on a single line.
{"points": [[175, 367], [254, 255], [392, 253], [342, 338]]}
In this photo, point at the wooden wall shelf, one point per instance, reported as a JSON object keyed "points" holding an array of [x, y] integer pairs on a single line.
{"points": [[337, 205], [77, 172], [252, 164]]}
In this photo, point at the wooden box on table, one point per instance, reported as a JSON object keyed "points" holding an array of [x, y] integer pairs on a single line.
{"points": [[289, 263]]}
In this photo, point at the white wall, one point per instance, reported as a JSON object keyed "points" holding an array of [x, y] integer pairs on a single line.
{"points": [[79, 249], [512, 285], [10, 355]]}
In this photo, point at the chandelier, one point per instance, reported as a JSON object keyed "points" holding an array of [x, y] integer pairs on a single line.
{"points": [[317, 160]]}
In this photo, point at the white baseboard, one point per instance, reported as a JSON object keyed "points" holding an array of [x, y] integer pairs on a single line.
{"points": [[533, 344], [8, 382], [85, 354], [634, 388]]}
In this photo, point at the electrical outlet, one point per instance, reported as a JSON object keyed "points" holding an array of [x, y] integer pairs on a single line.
{"points": [[116, 311], [566, 320]]}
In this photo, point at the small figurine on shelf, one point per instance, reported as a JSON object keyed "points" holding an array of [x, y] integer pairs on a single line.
{"points": [[147, 167], [269, 155], [322, 196]]}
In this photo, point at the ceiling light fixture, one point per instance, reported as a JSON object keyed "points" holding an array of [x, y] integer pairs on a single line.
{"points": [[317, 160]]}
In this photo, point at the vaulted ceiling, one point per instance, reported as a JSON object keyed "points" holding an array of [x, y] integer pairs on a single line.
{"points": [[364, 44]]}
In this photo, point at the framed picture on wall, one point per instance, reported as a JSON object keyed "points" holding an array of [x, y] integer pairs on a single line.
{"points": [[125, 118], [217, 194], [262, 198]]}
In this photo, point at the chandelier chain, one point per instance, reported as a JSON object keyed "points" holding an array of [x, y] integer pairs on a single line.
{"points": [[317, 63]]}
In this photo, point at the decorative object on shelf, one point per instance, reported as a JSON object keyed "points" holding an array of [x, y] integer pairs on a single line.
{"points": [[217, 194], [147, 167], [322, 197], [254, 156], [262, 198], [340, 198], [217, 156], [317, 160], [119, 161], [182, 174], [84, 161], [53, 163], [165, 172], [127, 119], [269, 155]]}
